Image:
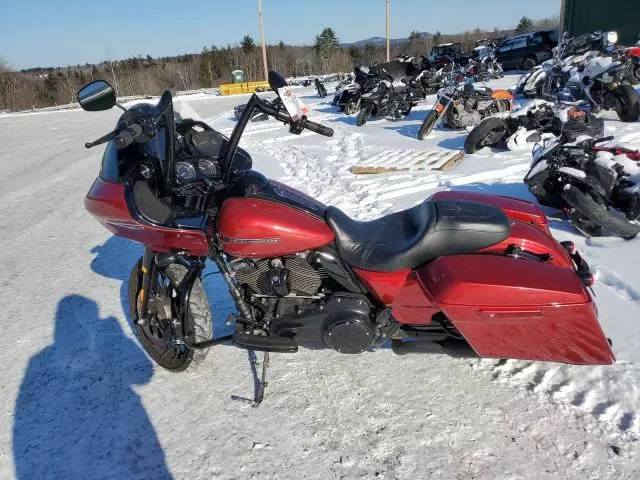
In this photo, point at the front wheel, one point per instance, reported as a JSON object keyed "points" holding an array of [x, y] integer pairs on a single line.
{"points": [[585, 207], [488, 132], [363, 115], [428, 124], [156, 336], [626, 103], [351, 107]]}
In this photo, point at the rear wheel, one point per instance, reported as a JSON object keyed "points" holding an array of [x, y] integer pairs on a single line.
{"points": [[363, 115], [156, 336], [428, 124], [488, 132], [585, 211], [626, 103]]}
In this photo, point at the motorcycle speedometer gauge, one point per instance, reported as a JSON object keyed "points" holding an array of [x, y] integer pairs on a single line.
{"points": [[185, 172], [209, 168]]}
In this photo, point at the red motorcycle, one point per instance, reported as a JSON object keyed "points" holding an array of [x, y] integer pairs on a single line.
{"points": [[461, 273]]}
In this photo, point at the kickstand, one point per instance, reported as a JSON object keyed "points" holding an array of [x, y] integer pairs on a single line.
{"points": [[259, 393]]}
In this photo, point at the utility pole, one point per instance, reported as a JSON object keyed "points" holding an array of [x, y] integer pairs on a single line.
{"points": [[264, 45], [388, 57], [562, 9]]}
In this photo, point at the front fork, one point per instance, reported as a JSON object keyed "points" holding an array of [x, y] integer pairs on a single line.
{"points": [[151, 261]]}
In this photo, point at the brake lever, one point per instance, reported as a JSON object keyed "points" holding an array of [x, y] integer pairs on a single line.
{"points": [[104, 139]]}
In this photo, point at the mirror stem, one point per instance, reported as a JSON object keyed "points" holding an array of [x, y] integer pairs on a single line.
{"points": [[121, 107]]}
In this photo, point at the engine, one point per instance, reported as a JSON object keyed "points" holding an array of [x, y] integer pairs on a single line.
{"points": [[295, 297], [279, 277]]}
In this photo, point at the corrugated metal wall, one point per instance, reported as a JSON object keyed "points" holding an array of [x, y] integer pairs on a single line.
{"points": [[623, 16]]}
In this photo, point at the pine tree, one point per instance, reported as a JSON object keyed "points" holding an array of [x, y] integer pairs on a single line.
{"points": [[525, 25], [248, 44], [437, 37], [205, 65], [326, 45]]}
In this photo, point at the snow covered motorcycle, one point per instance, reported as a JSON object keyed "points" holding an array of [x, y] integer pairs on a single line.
{"points": [[460, 106], [587, 182], [549, 78], [347, 97], [539, 121], [385, 100], [594, 77], [460, 273]]}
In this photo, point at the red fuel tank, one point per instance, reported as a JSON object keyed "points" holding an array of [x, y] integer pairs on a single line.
{"points": [[250, 227]]}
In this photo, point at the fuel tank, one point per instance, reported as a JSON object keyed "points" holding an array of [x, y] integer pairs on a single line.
{"points": [[259, 228]]}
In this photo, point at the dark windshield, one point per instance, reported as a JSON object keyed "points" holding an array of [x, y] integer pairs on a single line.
{"points": [[163, 145]]}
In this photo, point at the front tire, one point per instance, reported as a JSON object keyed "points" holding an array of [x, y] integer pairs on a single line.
{"points": [[487, 133], [585, 206], [628, 104], [351, 107], [363, 115], [428, 124], [158, 345]]}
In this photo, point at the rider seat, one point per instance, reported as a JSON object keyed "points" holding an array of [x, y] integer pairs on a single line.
{"points": [[410, 238]]}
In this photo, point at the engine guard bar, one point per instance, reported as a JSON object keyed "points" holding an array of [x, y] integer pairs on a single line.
{"points": [[582, 267]]}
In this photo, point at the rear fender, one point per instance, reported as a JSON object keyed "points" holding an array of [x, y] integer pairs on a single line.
{"points": [[514, 208]]}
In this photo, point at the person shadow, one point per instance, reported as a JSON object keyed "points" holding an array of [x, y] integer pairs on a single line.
{"points": [[77, 415]]}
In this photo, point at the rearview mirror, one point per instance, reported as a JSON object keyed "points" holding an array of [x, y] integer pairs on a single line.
{"points": [[276, 81], [96, 96]]}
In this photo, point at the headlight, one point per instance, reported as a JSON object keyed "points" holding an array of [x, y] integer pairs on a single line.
{"points": [[185, 172], [209, 168], [612, 37]]}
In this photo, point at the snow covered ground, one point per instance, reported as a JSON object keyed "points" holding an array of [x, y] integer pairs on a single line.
{"points": [[79, 399]]}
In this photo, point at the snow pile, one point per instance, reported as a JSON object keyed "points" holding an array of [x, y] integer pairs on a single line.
{"points": [[80, 400]]}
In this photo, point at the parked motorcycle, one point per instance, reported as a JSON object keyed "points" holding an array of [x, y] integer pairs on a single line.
{"points": [[453, 274], [385, 100], [347, 98], [549, 78], [483, 65], [460, 106], [588, 184], [539, 121], [591, 76], [320, 88], [632, 55]]}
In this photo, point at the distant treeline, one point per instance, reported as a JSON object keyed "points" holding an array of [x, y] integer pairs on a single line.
{"points": [[43, 87]]}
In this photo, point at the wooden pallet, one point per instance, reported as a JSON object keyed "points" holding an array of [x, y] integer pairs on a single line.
{"points": [[406, 161]]}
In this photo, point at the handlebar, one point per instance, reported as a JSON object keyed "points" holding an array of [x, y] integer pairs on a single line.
{"points": [[285, 118], [127, 136], [317, 128]]}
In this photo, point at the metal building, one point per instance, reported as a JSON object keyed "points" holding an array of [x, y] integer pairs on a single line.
{"points": [[583, 16]]}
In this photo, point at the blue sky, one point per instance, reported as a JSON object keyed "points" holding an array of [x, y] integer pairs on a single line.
{"points": [[62, 32]]}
